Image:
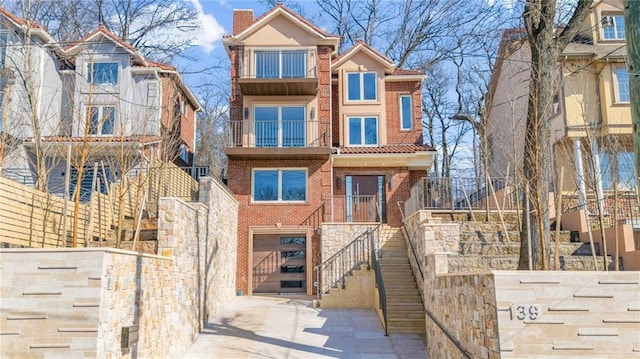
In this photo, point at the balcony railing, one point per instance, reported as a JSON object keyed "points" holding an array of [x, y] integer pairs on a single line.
{"points": [[278, 134], [279, 64]]}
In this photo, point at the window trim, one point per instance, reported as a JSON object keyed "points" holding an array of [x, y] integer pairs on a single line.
{"points": [[101, 108], [280, 170], [401, 112], [362, 131], [361, 86], [616, 85], [614, 26]]}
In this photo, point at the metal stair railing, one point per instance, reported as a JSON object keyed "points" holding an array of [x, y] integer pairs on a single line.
{"points": [[333, 272], [382, 293]]}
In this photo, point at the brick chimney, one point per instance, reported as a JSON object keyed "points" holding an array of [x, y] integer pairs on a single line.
{"points": [[242, 19]]}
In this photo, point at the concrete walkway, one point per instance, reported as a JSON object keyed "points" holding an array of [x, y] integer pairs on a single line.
{"points": [[282, 327]]}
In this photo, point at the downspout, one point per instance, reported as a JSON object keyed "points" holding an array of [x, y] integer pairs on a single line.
{"points": [[330, 143], [578, 163]]}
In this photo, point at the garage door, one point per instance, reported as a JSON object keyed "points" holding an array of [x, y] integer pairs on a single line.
{"points": [[279, 263]]}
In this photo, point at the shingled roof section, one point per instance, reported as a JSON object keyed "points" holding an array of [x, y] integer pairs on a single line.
{"points": [[18, 20], [401, 72], [388, 149]]}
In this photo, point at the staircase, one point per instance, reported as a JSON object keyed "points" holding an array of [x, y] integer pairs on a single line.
{"points": [[405, 310]]}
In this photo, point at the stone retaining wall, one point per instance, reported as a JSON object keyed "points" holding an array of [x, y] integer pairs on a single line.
{"points": [[76, 302]]}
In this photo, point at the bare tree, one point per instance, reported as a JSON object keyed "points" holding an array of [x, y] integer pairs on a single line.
{"points": [[141, 23], [546, 42]]}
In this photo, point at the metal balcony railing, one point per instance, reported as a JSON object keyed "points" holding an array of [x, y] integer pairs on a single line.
{"points": [[353, 208], [279, 64], [265, 134]]}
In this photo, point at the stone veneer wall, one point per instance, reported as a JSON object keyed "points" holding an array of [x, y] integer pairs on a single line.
{"points": [[49, 302], [576, 314], [76, 301]]}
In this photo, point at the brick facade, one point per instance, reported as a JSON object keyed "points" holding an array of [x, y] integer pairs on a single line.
{"points": [[307, 217], [393, 91]]}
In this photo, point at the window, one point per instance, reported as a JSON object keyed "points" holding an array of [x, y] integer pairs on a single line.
{"points": [[3, 48], [624, 164], [622, 80], [363, 131], [613, 27], [281, 64], [361, 86], [278, 185], [102, 73], [280, 126], [102, 120], [406, 115], [103, 179]]}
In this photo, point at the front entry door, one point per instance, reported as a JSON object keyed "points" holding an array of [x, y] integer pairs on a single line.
{"points": [[365, 198], [279, 263]]}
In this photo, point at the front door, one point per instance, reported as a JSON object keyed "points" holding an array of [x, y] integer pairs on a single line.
{"points": [[279, 263], [365, 199]]}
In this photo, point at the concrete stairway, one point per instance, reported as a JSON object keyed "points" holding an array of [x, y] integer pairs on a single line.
{"points": [[405, 310]]}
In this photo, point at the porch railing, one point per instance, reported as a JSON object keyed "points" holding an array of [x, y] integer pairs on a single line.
{"points": [[460, 193], [270, 134], [626, 208], [353, 208]]}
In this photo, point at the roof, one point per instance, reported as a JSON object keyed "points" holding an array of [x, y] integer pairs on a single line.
{"points": [[18, 20], [401, 72], [280, 9], [388, 149], [104, 32], [362, 46]]}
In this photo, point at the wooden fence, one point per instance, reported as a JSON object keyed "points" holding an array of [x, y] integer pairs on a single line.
{"points": [[32, 218]]}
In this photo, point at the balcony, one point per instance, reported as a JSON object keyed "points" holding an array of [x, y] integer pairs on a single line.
{"points": [[279, 73], [278, 139]]}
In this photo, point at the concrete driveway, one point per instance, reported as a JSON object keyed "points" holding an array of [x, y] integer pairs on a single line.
{"points": [[286, 327]]}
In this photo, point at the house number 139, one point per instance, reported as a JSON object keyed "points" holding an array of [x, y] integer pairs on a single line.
{"points": [[524, 311]]}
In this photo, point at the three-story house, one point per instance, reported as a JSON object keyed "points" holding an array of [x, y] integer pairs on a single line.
{"points": [[315, 136]]}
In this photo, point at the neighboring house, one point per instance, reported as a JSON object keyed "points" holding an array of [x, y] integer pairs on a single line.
{"points": [[315, 137], [591, 126], [592, 116], [99, 96]]}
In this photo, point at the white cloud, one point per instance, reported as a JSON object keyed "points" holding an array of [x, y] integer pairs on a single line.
{"points": [[209, 30]]}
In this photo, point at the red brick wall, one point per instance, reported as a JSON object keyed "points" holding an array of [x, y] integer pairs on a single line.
{"points": [[306, 215], [236, 101], [242, 19], [392, 92], [335, 108], [324, 92]]}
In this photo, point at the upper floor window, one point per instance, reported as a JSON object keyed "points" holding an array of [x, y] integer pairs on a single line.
{"points": [[281, 64], [363, 131], [3, 48], [279, 185], [102, 73], [279, 126], [103, 119], [406, 115], [613, 27], [622, 81], [361, 86]]}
